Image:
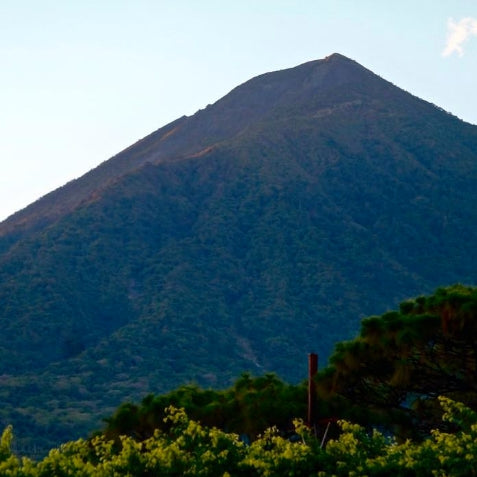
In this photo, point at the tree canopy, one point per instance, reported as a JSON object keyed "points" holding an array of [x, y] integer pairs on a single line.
{"points": [[248, 408], [394, 370], [190, 449]]}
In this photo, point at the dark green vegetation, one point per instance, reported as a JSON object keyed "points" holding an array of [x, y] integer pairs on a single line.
{"points": [[389, 376], [431, 336], [248, 408], [240, 238], [393, 372]]}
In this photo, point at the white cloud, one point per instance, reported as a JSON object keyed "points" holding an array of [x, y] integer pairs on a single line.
{"points": [[458, 33]]}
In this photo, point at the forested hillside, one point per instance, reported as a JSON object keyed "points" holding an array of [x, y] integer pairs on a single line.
{"points": [[391, 376], [256, 428], [238, 239]]}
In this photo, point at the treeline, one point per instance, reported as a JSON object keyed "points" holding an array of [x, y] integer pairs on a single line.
{"points": [[389, 376], [189, 448], [411, 373], [392, 374], [248, 408]]}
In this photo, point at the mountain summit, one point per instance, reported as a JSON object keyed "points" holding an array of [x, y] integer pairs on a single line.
{"points": [[240, 238], [307, 89]]}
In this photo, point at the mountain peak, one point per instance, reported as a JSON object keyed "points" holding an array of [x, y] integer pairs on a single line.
{"points": [[337, 57], [268, 91], [297, 92]]}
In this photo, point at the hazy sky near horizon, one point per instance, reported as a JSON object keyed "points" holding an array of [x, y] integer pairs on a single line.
{"points": [[82, 80]]}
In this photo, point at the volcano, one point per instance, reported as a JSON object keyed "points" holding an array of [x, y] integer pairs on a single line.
{"points": [[238, 239]]}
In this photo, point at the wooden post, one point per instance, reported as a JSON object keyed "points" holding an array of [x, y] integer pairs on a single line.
{"points": [[312, 371]]}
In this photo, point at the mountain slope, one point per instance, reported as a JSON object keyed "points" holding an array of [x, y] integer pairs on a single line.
{"points": [[311, 85], [242, 237]]}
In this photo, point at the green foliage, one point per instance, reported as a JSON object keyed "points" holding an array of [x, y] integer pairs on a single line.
{"points": [[249, 407], [393, 371], [190, 449]]}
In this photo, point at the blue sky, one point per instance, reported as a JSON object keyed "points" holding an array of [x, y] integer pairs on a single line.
{"points": [[81, 80]]}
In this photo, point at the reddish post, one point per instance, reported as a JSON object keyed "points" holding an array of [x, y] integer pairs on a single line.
{"points": [[312, 371]]}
